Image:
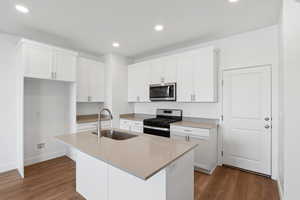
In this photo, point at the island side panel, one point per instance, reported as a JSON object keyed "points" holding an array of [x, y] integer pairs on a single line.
{"points": [[180, 178], [126, 186], [91, 177]]}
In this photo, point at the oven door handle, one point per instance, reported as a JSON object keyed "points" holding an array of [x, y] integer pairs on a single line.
{"points": [[156, 128]]}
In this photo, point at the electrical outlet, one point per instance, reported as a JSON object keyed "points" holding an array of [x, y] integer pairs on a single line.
{"points": [[40, 146]]}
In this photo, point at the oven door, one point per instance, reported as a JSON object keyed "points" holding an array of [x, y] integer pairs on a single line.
{"points": [[163, 132], [166, 92]]}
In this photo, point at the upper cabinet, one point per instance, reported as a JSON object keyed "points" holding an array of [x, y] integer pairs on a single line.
{"points": [[197, 76], [138, 82], [90, 81], [163, 70], [37, 59], [195, 73], [47, 62], [64, 65]]}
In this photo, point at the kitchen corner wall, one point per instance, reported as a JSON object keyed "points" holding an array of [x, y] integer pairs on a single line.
{"points": [[116, 81], [11, 94], [289, 151]]}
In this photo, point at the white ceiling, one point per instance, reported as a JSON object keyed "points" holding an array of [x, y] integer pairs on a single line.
{"points": [[92, 25]]}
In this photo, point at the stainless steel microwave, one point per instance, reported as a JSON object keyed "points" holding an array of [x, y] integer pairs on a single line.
{"points": [[163, 92]]}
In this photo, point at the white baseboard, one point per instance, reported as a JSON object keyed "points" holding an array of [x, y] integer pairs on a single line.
{"points": [[7, 167], [43, 157], [72, 154], [279, 186]]}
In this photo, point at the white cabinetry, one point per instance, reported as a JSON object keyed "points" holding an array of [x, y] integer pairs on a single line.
{"points": [[47, 62], [195, 73], [91, 177], [90, 81], [206, 155], [130, 125], [163, 70], [197, 76], [97, 180], [64, 65], [138, 82]]}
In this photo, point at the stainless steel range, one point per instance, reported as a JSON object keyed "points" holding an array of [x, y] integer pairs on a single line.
{"points": [[160, 125]]}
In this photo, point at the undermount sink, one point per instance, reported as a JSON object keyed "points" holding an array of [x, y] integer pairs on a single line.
{"points": [[115, 135]]}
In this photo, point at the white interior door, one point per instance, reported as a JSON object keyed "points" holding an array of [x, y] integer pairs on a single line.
{"points": [[247, 119]]}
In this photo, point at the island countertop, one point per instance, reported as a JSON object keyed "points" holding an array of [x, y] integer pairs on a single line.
{"points": [[142, 156]]}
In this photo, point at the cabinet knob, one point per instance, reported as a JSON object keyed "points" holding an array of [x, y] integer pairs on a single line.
{"points": [[267, 126], [267, 119]]}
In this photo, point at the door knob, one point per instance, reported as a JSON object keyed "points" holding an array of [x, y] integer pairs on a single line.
{"points": [[267, 118], [267, 126]]}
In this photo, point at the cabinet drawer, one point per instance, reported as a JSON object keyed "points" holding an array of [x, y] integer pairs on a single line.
{"points": [[193, 132]]}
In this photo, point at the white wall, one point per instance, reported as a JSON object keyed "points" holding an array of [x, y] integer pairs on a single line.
{"points": [[291, 82], [46, 115], [116, 82], [9, 119], [255, 48], [88, 108]]}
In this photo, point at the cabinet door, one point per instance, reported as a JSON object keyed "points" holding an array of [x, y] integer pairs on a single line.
{"points": [[170, 69], [133, 74], [202, 157], [185, 82], [205, 75], [137, 127], [82, 80], [178, 137], [38, 61], [91, 177], [125, 124], [64, 65], [96, 81], [157, 71], [138, 82]]}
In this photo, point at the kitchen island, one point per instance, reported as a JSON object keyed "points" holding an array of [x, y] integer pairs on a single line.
{"points": [[142, 167]]}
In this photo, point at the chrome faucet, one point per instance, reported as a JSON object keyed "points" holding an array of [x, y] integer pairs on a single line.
{"points": [[100, 120]]}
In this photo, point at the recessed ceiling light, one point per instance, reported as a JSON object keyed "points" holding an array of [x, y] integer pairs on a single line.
{"points": [[158, 27], [116, 44], [22, 9], [233, 1]]}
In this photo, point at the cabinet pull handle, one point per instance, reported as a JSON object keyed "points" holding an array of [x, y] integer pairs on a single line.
{"points": [[55, 75]]}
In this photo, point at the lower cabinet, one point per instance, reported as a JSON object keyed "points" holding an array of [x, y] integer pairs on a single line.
{"points": [[97, 180], [91, 177], [206, 154], [130, 125]]}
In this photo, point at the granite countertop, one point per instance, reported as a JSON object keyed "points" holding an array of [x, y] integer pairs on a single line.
{"points": [[186, 121], [89, 118], [142, 156]]}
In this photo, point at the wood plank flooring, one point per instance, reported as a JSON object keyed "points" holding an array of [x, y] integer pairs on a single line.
{"points": [[55, 180]]}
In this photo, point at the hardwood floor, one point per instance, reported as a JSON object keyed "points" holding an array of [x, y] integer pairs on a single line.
{"points": [[55, 180]]}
